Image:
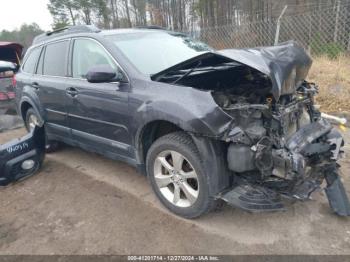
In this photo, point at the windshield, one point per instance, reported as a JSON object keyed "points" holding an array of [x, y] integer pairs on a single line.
{"points": [[152, 52]]}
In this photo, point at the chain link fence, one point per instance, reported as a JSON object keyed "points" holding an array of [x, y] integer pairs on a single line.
{"points": [[325, 31]]}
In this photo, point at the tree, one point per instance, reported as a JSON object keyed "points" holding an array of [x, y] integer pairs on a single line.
{"points": [[103, 12], [115, 16], [63, 12], [126, 6]]}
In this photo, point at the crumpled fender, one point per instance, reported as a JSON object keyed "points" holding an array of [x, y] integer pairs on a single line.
{"points": [[193, 111], [190, 109], [22, 157]]}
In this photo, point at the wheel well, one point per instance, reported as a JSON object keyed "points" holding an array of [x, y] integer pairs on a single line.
{"points": [[152, 131], [24, 108]]}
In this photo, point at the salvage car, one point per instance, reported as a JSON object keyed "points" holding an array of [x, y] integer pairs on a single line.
{"points": [[204, 125], [10, 54]]}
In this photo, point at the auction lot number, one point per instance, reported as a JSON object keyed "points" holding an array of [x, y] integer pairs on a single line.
{"points": [[173, 258]]}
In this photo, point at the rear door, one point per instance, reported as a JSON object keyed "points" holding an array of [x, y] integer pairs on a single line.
{"points": [[98, 112], [25, 76], [50, 82]]}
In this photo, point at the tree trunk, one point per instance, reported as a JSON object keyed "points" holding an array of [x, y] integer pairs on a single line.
{"points": [[115, 21], [71, 15], [336, 29], [126, 4]]}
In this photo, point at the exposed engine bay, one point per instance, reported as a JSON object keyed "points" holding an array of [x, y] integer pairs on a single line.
{"points": [[278, 143], [284, 146]]}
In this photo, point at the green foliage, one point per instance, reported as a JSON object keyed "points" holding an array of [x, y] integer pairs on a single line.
{"points": [[24, 35], [331, 49], [62, 12], [60, 24]]}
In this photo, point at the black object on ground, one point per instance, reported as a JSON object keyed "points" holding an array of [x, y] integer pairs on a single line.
{"points": [[22, 157]]}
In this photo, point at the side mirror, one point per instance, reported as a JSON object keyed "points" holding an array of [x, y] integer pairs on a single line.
{"points": [[102, 74], [7, 66]]}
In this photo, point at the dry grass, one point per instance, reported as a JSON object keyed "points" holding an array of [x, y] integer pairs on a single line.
{"points": [[333, 79]]}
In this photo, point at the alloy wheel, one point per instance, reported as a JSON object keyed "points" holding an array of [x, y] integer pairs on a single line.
{"points": [[176, 178]]}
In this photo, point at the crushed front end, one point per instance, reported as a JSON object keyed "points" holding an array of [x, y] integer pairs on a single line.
{"points": [[282, 148], [277, 142]]}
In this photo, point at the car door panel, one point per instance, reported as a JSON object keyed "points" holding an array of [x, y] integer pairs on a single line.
{"points": [[51, 83], [101, 112], [97, 112], [52, 95]]}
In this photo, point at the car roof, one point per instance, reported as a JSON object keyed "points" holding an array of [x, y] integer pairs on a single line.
{"points": [[88, 30], [132, 31]]}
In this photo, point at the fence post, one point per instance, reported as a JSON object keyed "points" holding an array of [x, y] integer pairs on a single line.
{"points": [[279, 25], [310, 33], [336, 29]]}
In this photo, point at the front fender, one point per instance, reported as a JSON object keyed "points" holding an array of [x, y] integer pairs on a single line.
{"points": [[183, 118], [190, 109]]}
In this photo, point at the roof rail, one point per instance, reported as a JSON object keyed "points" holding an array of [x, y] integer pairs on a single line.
{"points": [[156, 27], [66, 31]]}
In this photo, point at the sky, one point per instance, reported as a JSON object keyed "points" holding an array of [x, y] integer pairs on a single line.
{"points": [[13, 13]]}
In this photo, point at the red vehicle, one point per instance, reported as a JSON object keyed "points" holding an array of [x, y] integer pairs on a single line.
{"points": [[10, 54]]}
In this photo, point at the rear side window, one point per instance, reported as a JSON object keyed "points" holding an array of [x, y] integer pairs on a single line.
{"points": [[29, 65], [55, 59]]}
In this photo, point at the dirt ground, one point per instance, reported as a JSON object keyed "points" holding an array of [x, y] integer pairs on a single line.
{"points": [[82, 203], [333, 79]]}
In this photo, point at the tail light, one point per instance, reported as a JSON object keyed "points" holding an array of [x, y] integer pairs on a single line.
{"points": [[3, 96], [11, 95], [14, 81]]}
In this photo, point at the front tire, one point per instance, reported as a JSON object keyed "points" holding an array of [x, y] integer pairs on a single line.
{"points": [[32, 120], [176, 174]]}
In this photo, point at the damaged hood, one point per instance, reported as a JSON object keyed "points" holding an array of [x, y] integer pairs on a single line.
{"points": [[286, 64]]}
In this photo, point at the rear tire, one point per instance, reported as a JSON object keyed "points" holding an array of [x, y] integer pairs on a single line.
{"points": [[176, 174], [31, 121]]}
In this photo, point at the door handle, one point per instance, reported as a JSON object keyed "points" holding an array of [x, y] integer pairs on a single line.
{"points": [[72, 91], [36, 85]]}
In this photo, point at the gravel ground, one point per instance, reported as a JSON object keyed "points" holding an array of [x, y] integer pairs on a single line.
{"points": [[82, 203]]}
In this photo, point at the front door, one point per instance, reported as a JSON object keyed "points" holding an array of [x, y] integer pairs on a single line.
{"points": [[97, 112]]}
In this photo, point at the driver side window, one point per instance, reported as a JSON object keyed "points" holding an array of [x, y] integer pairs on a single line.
{"points": [[86, 54]]}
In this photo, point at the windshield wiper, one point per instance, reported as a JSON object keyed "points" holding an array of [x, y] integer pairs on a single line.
{"points": [[188, 72], [182, 73]]}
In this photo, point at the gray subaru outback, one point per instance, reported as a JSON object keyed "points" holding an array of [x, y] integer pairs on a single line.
{"points": [[204, 125]]}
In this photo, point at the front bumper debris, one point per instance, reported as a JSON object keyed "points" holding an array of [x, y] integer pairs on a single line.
{"points": [[336, 194], [253, 198], [23, 157], [293, 172]]}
